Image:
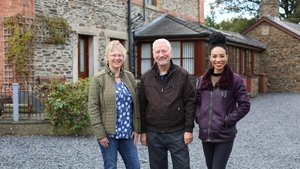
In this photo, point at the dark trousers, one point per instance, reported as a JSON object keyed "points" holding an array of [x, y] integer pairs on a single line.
{"points": [[217, 154], [160, 143]]}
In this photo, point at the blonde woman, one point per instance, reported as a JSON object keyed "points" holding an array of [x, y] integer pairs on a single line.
{"points": [[114, 110]]}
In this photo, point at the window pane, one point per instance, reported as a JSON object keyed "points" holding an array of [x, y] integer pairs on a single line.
{"points": [[150, 2], [238, 58], [243, 62], [188, 64], [188, 58], [81, 55], [146, 64], [175, 50], [176, 61], [146, 50], [146, 57]]}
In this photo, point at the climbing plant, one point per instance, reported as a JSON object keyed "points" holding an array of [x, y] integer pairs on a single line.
{"points": [[22, 34], [20, 48], [57, 28]]}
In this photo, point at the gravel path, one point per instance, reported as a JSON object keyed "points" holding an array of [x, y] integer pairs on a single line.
{"points": [[268, 138]]}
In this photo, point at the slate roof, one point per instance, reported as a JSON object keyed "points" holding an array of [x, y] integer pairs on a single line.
{"points": [[291, 28], [168, 26]]}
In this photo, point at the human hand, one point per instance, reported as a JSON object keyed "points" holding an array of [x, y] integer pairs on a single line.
{"points": [[104, 142], [143, 139], [135, 136], [188, 137]]}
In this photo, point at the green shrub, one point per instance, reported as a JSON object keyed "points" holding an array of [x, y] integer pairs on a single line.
{"points": [[66, 104]]}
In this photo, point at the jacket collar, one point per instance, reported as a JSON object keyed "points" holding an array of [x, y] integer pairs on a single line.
{"points": [[111, 73], [156, 69], [225, 82]]}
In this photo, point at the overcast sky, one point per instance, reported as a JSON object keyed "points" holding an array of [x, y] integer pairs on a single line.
{"points": [[219, 17]]}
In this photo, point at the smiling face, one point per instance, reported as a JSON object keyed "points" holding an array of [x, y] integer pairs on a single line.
{"points": [[162, 53], [218, 59], [115, 55], [115, 59]]}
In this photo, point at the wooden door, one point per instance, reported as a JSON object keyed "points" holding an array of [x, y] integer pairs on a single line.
{"points": [[83, 56]]}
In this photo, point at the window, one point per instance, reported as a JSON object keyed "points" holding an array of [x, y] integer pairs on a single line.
{"points": [[248, 63], [150, 2], [240, 60], [146, 56], [188, 59], [183, 54]]}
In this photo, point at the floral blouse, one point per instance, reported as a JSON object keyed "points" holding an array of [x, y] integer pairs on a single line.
{"points": [[124, 112]]}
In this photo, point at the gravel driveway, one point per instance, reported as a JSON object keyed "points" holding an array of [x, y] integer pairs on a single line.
{"points": [[268, 138]]}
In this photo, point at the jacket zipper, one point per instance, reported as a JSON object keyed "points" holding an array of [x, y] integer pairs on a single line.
{"points": [[209, 117], [164, 81]]}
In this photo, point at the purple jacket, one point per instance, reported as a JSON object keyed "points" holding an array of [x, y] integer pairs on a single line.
{"points": [[219, 108]]}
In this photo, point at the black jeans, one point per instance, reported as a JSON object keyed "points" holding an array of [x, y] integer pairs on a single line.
{"points": [[217, 154], [160, 143]]}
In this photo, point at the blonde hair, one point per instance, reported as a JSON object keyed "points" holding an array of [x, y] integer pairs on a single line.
{"points": [[112, 45]]}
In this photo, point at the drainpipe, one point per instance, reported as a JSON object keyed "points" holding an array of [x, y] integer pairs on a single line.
{"points": [[130, 45], [131, 36], [144, 10]]}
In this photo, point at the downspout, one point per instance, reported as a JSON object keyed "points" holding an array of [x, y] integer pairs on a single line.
{"points": [[133, 32], [144, 10], [130, 45], [131, 36]]}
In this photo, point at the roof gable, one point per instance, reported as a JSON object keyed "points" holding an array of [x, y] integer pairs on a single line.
{"points": [[287, 27], [169, 26]]}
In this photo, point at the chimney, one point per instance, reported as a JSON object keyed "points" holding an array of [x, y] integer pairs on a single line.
{"points": [[201, 11], [269, 8]]}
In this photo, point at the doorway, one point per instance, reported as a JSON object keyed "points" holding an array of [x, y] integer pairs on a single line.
{"points": [[83, 56]]}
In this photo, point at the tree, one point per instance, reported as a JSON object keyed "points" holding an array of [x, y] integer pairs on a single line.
{"points": [[235, 24], [289, 9], [295, 16], [210, 20]]}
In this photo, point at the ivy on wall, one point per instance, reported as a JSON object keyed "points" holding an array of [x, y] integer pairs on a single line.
{"points": [[20, 42], [57, 28], [20, 48]]}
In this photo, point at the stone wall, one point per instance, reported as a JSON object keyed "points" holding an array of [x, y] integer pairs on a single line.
{"points": [[281, 60], [186, 10], [101, 20], [192, 10], [37, 127]]}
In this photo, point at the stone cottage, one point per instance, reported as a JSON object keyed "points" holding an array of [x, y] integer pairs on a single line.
{"points": [[92, 25], [280, 63], [189, 48]]}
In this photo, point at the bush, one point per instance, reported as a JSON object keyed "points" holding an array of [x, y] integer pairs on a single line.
{"points": [[66, 104]]}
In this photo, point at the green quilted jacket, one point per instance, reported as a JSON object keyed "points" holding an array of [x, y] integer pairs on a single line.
{"points": [[102, 100]]}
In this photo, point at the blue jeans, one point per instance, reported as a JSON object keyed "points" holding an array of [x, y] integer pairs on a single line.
{"points": [[127, 150], [160, 143]]}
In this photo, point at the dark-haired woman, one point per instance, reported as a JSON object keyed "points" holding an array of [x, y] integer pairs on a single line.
{"points": [[222, 100]]}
